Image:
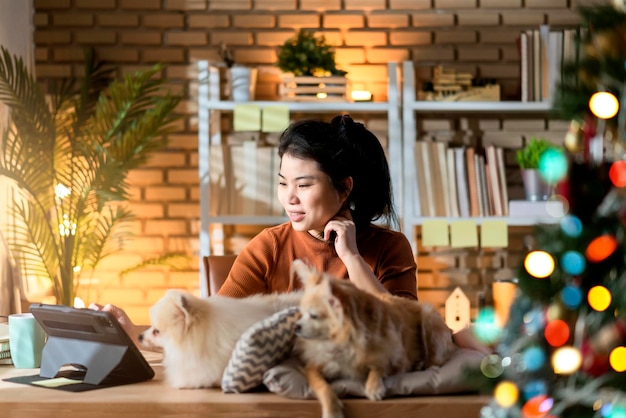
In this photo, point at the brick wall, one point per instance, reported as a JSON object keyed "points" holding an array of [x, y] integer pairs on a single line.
{"points": [[469, 35]]}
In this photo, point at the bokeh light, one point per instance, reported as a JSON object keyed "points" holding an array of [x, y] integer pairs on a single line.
{"points": [[617, 173], [599, 298], [573, 262], [537, 407], [506, 394], [534, 388], [571, 296], [553, 165], [566, 360], [600, 248], [610, 410], [617, 359], [539, 264], [485, 327], [558, 211], [533, 321], [603, 105], [491, 366], [571, 226], [534, 358], [557, 332]]}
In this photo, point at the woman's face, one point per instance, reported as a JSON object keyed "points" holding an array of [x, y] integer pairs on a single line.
{"points": [[306, 194]]}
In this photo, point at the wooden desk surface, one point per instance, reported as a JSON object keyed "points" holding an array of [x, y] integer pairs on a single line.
{"points": [[155, 399]]}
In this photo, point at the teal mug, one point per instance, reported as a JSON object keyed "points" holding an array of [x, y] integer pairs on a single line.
{"points": [[26, 341]]}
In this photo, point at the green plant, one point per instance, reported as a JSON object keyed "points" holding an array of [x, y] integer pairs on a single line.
{"points": [[307, 54], [68, 154], [528, 157]]}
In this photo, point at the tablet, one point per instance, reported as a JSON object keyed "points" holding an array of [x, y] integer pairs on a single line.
{"points": [[93, 341]]}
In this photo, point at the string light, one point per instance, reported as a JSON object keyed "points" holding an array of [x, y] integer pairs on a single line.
{"points": [[566, 360], [557, 332], [539, 264], [506, 394], [603, 105], [599, 298], [600, 248], [617, 173], [617, 359]]}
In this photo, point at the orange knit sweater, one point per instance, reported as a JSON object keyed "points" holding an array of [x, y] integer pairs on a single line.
{"points": [[263, 266]]}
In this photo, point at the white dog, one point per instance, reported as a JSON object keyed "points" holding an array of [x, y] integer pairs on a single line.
{"points": [[197, 335]]}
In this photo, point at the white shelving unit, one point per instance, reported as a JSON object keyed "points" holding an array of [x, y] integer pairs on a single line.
{"points": [[411, 109], [209, 133]]}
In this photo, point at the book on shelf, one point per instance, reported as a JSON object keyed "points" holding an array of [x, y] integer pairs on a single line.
{"points": [[472, 182], [494, 181], [424, 179], [542, 53], [452, 190], [502, 181], [437, 152], [462, 182]]}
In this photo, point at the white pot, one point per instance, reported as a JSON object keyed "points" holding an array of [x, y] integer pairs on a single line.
{"points": [[242, 83]]}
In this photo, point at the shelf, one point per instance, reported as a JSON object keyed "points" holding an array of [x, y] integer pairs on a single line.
{"points": [[477, 107], [511, 221], [320, 106]]}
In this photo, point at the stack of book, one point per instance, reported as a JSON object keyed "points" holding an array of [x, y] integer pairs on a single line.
{"points": [[5, 353], [460, 181], [542, 54]]}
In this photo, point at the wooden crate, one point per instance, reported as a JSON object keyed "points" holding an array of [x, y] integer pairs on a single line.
{"points": [[310, 89]]}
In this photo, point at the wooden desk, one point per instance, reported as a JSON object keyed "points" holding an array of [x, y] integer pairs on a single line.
{"points": [[155, 399]]}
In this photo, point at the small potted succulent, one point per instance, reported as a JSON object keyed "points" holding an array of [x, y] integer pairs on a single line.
{"points": [[528, 159]]}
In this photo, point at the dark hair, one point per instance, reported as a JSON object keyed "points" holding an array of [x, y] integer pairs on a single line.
{"points": [[344, 148]]}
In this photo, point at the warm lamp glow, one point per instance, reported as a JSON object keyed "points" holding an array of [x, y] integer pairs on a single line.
{"points": [[603, 105], [321, 95], [539, 264], [361, 95]]}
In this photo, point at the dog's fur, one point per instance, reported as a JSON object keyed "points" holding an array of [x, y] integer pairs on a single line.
{"points": [[348, 333], [197, 335]]}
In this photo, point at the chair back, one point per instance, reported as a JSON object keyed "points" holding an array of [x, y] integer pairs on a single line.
{"points": [[216, 268]]}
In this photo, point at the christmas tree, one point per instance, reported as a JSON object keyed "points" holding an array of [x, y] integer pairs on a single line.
{"points": [[562, 352]]}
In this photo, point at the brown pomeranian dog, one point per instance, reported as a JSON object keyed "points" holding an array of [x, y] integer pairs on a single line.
{"points": [[345, 332], [198, 335]]}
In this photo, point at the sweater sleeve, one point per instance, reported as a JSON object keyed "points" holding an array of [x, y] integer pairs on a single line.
{"points": [[397, 267], [251, 268]]}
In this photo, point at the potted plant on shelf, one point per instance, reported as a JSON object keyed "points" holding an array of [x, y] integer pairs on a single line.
{"points": [[527, 158], [309, 67], [67, 155]]}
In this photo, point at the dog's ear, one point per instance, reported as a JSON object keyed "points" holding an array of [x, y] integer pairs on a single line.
{"points": [[182, 302], [307, 274]]}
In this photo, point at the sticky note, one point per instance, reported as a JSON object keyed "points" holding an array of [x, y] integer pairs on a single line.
{"points": [[494, 233], [275, 118], [435, 233], [463, 234], [246, 117]]}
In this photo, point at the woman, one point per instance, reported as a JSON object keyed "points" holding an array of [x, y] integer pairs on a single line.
{"points": [[333, 182]]}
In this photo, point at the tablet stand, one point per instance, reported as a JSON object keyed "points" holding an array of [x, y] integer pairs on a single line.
{"points": [[98, 358]]}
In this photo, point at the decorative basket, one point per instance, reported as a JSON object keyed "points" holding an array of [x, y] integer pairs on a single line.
{"points": [[310, 88]]}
